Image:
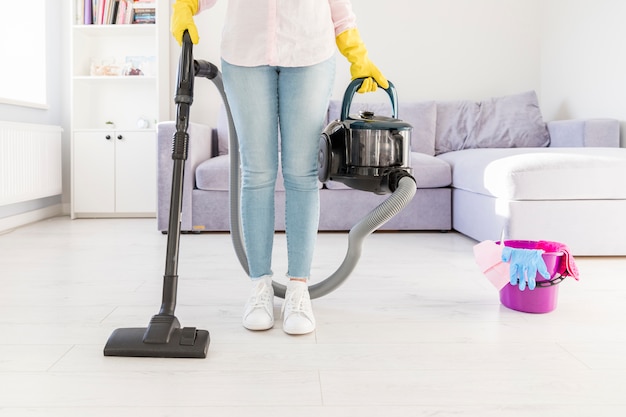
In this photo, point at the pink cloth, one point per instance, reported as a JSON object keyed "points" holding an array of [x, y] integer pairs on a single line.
{"points": [[286, 33], [488, 256], [567, 267]]}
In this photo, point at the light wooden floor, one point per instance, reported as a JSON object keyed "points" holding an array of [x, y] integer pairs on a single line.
{"points": [[417, 330]]}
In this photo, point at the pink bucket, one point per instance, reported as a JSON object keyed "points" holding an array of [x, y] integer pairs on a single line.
{"points": [[543, 298]]}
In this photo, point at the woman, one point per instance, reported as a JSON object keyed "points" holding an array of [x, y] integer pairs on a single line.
{"points": [[278, 70]]}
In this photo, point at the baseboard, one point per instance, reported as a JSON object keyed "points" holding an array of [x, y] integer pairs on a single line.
{"points": [[12, 222]]}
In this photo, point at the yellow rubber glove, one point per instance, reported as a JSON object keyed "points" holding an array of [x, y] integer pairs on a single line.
{"points": [[182, 19], [352, 47]]}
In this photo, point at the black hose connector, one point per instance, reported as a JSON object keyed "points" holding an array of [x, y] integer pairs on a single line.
{"points": [[205, 69], [396, 176]]}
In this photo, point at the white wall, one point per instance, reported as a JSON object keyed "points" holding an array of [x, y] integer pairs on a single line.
{"points": [[583, 61], [569, 51], [452, 49], [443, 49], [56, 62]]}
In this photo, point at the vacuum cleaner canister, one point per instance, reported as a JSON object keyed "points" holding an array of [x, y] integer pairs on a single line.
{"points": [[366, 152]]}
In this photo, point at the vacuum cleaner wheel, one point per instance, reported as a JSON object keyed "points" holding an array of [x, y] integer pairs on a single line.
{"points": [[324, 158]]}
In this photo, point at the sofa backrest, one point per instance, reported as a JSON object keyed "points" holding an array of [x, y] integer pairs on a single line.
{"points": [[444, 126], [587, 133]]}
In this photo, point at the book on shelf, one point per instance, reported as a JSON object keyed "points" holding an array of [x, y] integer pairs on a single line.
{"points": [[115, 12], [144, 12]]}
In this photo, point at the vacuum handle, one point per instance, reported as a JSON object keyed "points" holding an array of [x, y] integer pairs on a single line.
{"points": [[186, 72], [353, 88]]}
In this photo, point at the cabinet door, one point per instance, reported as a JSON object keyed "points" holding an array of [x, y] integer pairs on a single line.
{"points": [[135, 177], [94, 165]]}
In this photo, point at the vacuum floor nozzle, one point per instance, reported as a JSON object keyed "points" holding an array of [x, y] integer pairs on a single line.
{"points": [[163, 338], [186, 342]]}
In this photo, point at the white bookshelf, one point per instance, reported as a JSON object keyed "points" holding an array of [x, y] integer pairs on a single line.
{"points": [[119, 74]]}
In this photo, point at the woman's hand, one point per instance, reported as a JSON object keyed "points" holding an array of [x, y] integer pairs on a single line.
{"points": [[182, 19], [352, 47]]}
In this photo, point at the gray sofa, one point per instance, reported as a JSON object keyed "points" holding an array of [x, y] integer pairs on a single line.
{"points": [[481, 168]]}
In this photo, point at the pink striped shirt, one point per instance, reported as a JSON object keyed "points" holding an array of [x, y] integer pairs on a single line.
{"points": [[286, 33]]}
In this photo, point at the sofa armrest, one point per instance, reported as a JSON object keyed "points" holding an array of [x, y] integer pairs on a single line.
{"points": [[584, 133], [199, 150]]}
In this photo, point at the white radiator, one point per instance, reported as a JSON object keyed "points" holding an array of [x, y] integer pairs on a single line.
{"points": [[30, 162]]}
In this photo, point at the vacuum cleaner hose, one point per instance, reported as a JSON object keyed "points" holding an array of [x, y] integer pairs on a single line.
{"points": [[400, 198], [397, 201], [210, 71]]}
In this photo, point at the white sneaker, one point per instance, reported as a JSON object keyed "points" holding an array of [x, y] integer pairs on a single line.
{"points": [[297, 311], [259, 310]]}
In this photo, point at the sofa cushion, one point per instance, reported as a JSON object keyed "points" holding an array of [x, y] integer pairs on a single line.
{"points": [[541, 173], [214, 175], [513, 121], [428, 171], [419, 114]]}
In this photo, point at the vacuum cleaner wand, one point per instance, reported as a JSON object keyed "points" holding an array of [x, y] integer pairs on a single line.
{"points": [[164, 337]]}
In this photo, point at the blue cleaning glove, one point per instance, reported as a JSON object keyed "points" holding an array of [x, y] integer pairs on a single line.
{"points": [[525, 263]]}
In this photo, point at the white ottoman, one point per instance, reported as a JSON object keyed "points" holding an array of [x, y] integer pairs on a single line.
{"points": [[576, 196]]}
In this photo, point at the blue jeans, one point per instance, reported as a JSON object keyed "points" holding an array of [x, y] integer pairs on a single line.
{"points": [[263, 100]]}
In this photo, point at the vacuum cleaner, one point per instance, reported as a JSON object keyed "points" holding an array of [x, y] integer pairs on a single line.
{"points": [[370, 153], [164, 336], [366, 152]]}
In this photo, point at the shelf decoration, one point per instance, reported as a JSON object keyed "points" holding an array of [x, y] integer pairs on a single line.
{"points": [[106, 67], [140, 65], [130, 66]]}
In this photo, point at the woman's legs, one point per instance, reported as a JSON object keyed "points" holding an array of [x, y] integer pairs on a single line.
{"points": [[253, 98], [303, 101], [303, 94], [261, 99]]}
